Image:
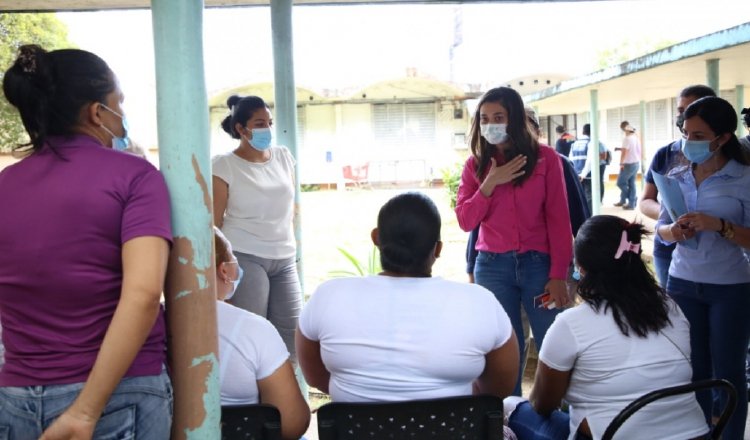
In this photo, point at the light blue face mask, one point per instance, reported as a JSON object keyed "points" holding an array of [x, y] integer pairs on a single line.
{"points": [[261, 139], [697, 151], [494, 133], [236, 282], [118, 143]]}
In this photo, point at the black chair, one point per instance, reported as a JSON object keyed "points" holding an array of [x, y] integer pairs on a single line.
{"points": [[250, 422], [692, 387], [465, 417]]}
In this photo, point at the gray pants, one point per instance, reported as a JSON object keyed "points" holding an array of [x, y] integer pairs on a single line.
{"points": [[271, 288]]}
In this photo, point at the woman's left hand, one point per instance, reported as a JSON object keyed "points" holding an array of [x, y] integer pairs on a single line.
{"points": [[558, 291], [70, 426], [697, 221]]}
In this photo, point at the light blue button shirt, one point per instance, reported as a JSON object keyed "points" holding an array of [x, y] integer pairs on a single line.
{"points": [[725, 194]]}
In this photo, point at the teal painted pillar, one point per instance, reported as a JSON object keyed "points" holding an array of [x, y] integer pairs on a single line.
{"points": [[593, 152], [739, 93], [643, 142], [712, 74], [190, 290], [285, 93]]}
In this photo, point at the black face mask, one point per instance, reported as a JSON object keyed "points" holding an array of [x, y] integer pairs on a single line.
{"points": [[679, 120]]}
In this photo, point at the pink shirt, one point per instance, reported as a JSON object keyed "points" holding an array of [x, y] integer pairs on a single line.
{"points": [[531, 217]]}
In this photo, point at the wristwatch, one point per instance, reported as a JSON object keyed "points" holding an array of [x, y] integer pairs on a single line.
{"points": [[727, 229]]}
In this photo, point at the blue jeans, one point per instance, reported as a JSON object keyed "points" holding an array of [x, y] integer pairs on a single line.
{"points": [[515, 279], [719, 335], [626, 183], [661, 269], [528, 424], [140, 408]]}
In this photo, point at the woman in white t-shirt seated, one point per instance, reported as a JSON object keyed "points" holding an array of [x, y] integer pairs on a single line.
{"points": [[403, 334], [628, 338], [254, 363]]}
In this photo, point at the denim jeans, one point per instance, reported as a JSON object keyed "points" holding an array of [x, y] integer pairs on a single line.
{"points": [[626, 183], [661, 269], [140, 408], [719, 334], [515, 279], [529, 424]]}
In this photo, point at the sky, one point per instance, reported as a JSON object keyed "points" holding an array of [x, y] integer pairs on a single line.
{"points": [[344, 47]]}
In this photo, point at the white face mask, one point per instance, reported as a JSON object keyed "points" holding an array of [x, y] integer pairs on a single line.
{"points": [[494, 133]]}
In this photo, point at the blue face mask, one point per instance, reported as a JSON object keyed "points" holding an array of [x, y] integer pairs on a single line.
{"points": [[236, 282], [261, 139], [697, 151], [118, 143]]}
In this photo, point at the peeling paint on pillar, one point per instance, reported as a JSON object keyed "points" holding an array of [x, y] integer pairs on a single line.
{"points": [[182, 111]]}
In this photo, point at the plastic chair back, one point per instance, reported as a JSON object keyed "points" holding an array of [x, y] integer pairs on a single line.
{"points": [[692, 387], [250, 422], [466, 417]]}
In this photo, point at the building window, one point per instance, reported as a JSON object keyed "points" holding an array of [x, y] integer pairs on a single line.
{"points": [[404, 124]]}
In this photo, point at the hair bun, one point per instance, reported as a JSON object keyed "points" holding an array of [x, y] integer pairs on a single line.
{"points": [[232, 101], [28, 58]]}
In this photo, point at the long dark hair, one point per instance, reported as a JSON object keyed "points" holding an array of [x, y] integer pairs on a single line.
{"points": [[49, 89], [408, 230], [241, 109], [722, 118], [624, 284], [522, 140]]}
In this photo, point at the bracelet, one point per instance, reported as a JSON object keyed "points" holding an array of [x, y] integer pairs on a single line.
{"points": [[728, 231]]}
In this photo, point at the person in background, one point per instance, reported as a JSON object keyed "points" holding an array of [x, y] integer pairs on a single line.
{"points": [[745, 141], [83, 258], [513, 189], [254, 363], [404, 334], [564, 142], [626, 339], [710, 276], [253, 189], [630, 158], [664, 160], [579, 155]]}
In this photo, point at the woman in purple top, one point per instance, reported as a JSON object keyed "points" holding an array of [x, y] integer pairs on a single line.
{"points": [[84, 242]]}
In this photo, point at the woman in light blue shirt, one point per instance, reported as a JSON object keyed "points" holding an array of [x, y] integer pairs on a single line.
{"points": [[710, 275]]}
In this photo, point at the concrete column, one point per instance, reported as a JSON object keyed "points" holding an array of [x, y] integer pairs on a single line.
{"points": [[643, 141], [594, 153], [190, 291], [739, 93], [712, 74], [285, 95]]}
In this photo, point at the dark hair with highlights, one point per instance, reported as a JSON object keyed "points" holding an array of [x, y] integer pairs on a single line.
{"points": [[408, 230], [240, 111], [522, 140], [49, 89], [624, 285]]}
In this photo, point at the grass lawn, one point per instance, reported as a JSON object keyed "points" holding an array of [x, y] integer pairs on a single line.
{"points": [[332, 219]]}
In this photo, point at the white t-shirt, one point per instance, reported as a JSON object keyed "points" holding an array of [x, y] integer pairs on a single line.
{"points": [[250, 349], [260, 207], [390, 339], [610, 370], [633, 155]]}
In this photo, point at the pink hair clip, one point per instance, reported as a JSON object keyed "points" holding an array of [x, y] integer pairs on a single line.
{"points": [[626, 246]]}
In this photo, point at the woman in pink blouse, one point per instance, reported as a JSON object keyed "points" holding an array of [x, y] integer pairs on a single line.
{"points": [[512, 187]]}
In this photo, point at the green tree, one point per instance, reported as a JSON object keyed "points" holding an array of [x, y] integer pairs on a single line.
{"points": [[629, 50], [17, 29]]}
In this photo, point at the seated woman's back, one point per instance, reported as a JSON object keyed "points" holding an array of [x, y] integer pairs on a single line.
{"points": [[403, 335], [393, 338], [610, 370]]}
